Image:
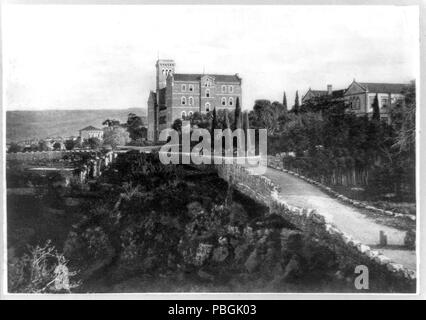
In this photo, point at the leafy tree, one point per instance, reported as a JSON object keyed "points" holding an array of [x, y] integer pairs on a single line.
{"points": [[43, 146], [111, 123], [200, 120], [92, 143], [265, 115], [57, 146], [14, 147], [118, 136], [70, 144], [177, 125], [135, 127]]}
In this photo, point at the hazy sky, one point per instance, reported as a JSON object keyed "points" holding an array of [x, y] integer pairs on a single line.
{"points": [[96, 56]]}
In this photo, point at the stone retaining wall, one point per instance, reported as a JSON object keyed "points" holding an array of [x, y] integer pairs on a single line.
{"points": [[349, 252]]}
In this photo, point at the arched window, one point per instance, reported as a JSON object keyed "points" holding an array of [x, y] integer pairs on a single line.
{"points": [[190, 114], [191, 101], [183, 87], [163, 71], [207, 105], [223, 89], [231, 89], [183, 100], [231, 101], [223, 101], [207, 93], [183, 115], [357, 103], [191, 87]]}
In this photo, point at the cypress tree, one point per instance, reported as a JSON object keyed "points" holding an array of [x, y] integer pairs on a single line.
{"points": [[227, 124], [214, 120], [376, 110], [237, 119], [284, 103], [296, 102], [246, 123]]}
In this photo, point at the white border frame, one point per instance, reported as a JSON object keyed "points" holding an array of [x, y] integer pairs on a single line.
{"points": [[420, 172]]}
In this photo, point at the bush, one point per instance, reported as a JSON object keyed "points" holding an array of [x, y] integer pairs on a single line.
{"points": [[43, 270]]}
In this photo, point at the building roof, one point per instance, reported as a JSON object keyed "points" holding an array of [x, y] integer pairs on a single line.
{"points": [[91, 128], [320, 93], [198, 76], [383, 87], [338, 93]]}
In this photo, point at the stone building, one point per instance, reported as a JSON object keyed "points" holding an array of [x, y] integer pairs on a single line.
{"points": [[360, 97], [310, 94], [91, 132], [179, 95]]}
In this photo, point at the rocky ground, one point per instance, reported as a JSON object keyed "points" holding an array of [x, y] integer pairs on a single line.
{"points": [[146, 227]]}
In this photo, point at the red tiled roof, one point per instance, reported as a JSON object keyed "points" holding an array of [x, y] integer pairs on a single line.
{"points": [[383, 87], [197, 77], [91, 128]]}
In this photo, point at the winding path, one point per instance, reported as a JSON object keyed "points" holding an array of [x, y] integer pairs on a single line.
{"points": [[348, 219]]}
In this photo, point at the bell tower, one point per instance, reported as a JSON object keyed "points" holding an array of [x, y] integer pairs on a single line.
{"points": [[164, 68]]}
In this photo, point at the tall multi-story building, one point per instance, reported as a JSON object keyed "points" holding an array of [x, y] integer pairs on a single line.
{"points": [[179, 95]]}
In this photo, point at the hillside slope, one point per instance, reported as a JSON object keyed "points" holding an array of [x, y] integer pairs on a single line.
{"points": [[22, 125]]}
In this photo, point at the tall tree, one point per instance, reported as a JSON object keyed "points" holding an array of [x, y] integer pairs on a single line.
{"points": [[135, 126], [237, 118], [227, 124], [214, 121], [296, 102], [284, 103], [376, 110]]}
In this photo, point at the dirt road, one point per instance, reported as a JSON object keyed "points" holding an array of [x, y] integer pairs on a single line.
{"points": [[348, 219]]}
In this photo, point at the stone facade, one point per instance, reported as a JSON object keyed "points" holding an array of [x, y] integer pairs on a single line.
{"points": [[91, 132], [180, 95], [360, 97]]}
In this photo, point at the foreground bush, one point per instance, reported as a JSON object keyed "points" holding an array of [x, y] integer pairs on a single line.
{"points": [[42, 270]]}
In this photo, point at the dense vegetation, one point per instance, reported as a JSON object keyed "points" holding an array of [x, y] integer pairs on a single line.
{"points": [[323, 141], [144, 226]]}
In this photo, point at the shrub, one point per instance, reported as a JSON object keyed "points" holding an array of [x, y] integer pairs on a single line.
{"points": [[43, 270]]}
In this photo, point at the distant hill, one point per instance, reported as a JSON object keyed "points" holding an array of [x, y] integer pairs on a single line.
{"points": [[23, 125]]}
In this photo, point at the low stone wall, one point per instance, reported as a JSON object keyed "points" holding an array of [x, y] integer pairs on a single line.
{"points": [[348, 251], [95, 166], [41, 155], [92, 169], [255, 186], [277, 163]]}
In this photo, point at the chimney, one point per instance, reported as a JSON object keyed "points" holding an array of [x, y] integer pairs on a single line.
{"points": [[329, 89]]}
